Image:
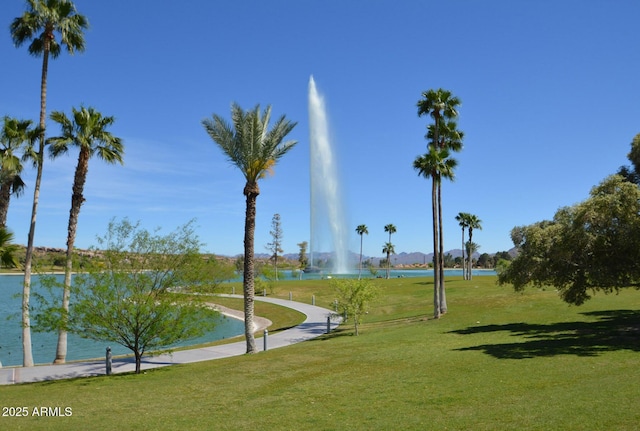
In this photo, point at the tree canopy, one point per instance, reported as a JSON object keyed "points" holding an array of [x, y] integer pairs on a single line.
{"points": [[130, 299], [589, 247], [354, 297]]}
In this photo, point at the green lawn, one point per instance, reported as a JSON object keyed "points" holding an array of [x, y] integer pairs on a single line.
{"points": [[498, 360]]}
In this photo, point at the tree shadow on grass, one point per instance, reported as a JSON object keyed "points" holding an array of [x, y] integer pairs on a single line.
{"points": [[612, 330]]}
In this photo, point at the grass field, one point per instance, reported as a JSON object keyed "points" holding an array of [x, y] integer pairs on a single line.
{"points": [[498, 360]]}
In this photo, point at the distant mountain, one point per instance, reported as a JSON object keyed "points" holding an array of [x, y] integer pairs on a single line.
{"points": [[403, 258]]}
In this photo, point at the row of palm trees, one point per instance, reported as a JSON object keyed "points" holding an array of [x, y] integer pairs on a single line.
{"points": [[388, 248], [470, 222], [248, 141], [49, 26]]}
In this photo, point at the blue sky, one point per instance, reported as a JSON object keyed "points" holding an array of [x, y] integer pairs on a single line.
{"points": [[549, 92]]}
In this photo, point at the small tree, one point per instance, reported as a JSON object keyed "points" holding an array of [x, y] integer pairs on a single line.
{"points": [[354, 297], [130, 299], [302, 254], [275, 246]]}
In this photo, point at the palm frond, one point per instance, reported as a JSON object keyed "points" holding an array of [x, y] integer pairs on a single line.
{"points": [[248, 142]]}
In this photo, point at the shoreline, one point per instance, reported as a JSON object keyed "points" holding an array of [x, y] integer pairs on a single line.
{"points": [[259, 323]]}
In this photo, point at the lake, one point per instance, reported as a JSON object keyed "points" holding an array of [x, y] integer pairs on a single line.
{"points": [[394, 273], [44, 344]]}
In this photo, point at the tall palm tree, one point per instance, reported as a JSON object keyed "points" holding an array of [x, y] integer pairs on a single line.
{"points": [[473, 223], [361, 230], [40, 24], [449, 138], [463, 221], [441, 105], [389, 249], [391, 229], [15, 134], [436, 164], [86, 130], [254, 149]]}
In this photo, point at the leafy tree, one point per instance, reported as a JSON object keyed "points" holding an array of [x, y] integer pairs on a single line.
{"points": [[15, 134], [302, 254], [502, 265], [8, 249], [634, 153], [86, 130], [354, 297], [388, 249], [632, 174], [502, 255], [589, 247], [485, 260], [254, 148], [372, 269], [130, 300], [449, 261], [40, 24], [442, 135], [361, 229], [209, 273], [275, 246], [239, 264]]}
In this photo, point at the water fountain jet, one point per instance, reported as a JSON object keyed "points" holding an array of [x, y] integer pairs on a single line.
{"points": [[327, 207]]}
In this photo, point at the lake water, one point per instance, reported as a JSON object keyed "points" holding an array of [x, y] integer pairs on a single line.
{"points": [[44, 344], [394, 273]]}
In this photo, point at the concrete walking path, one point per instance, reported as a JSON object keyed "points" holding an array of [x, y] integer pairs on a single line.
{"points": [[314, 325]]}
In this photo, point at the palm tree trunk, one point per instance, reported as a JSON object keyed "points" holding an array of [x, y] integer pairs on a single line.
{"points": [[360, 266], [436, 258], [27, 353], [77, 199], [5, 197], [388, 264], [469, 276], [443, 296], [251, 191], [464, 263]]}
